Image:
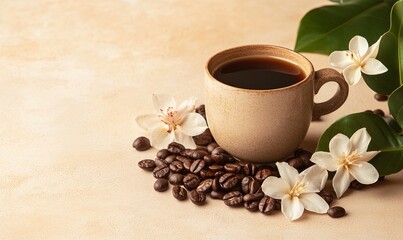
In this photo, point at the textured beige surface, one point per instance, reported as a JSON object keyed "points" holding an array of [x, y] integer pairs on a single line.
{"points": [[73, 74]]}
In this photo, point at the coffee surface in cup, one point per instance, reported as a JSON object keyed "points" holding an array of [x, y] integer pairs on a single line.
{"points": [[260, 73]]}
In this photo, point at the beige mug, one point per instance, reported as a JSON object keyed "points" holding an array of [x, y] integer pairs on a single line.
{"points": [[263, 126]]}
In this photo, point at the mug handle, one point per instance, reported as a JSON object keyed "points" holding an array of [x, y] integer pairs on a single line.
{"points": [[329, 75]]}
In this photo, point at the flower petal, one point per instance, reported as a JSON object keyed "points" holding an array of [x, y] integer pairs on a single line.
{"points": [[372, 66], [340, 146], [365, 157], [184, 139], [341, 181], [314, 179], [314, 203], [364, 172], [358, 44], [188, 105], [360, 140], [193, 124], [340, 59], [291, 207], [149, 121], [160, 137], [163, 102], [325, 160], [275, 187], [288, 173], [352, 74], [373, 50]]}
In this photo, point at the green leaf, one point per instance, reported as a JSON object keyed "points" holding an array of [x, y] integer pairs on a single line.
{"points": [[329, 28], [384, 139], [395, 103], [390, 54]]}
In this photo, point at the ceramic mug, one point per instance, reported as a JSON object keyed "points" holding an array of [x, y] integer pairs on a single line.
{"points": [[263, 126]]}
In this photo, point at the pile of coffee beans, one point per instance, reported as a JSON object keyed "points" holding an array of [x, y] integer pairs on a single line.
{"points": [[209, 170]]}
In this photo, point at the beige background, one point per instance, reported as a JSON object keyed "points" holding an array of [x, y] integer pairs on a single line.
{"points": [[73, 76]]}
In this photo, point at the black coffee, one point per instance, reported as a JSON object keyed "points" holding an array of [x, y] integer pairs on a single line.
{"points": [[259, 73]]}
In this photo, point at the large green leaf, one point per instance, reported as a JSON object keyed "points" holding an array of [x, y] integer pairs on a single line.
{"points": [[395, 103], [384, 139], [329, 28], [390, 54]]}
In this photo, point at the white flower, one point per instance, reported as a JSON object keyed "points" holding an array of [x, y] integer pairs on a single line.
{"points": [[297, 191], [358, 59], [172, 123], [349, 158]]}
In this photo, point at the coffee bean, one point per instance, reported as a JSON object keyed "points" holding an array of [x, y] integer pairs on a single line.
{"points": [[251, 206], [197, 198], [141, 144], [336, 212], [170, 158], [217, 195], [296, 162], [179, 193], [275, 173], [208, 160], [186, 162], [199, 154], [253, 197], [182, 158], [327, 196], [232, 167], [160, 162], [305, 156], [266, 205], [228, 181], [187, 152], [356, 185], [147, 164], [191, 181], [197, 166], [216, 167], [262, 174], [277, 204], [219, 155], [379, 112], [175, 147], [204, 139], [205, 186], [176, 179], [219, 173], [249, 169], [380, 97], [250, 185], [201, 110], [161, 172], [201, 148], [161, 185], [205, 173], [176, 166], [233, 199], [211, 147], [216, 184], [163, 153]]}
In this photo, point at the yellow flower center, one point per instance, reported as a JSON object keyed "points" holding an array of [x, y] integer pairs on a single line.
{"points": [[297, 189], [355, 57], [349, 159], [169, 118]]}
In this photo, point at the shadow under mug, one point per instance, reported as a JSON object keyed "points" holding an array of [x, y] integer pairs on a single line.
{"points": [[264, 126]]}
